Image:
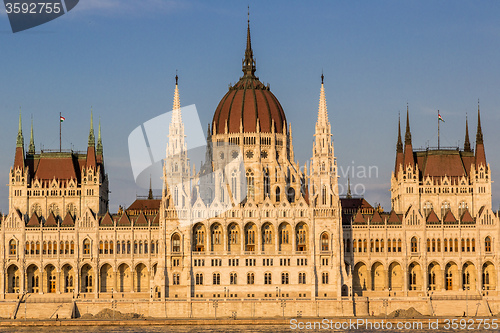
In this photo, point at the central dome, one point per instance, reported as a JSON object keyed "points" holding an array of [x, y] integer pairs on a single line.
{"points": [[249, 102]]}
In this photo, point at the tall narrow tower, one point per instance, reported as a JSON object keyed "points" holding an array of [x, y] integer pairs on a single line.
{"points": [[324, 164]]}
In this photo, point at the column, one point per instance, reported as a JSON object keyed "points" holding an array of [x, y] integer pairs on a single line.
{"points": [[386, 279], [58, 281], [443, 279], [369, 285], [22, 287], [405, 280], [460, 280], [425, 285]]}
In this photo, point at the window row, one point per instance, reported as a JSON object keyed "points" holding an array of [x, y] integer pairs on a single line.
{"points": [[250, 278]]}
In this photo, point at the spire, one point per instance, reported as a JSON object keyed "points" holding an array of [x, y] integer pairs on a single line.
{"points": [[480, 153], [349, 195], [248, 62], [467, 141], [399, 145], [91, 132], [176, 116], [408, 152], [99, 139], [322, 109], [479, 134], [31, 149], [20, 138], [407, 133], [150, 195]]}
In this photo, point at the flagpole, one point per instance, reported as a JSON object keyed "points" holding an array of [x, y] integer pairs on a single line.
{"points": [[438, 130], [60, 145]]}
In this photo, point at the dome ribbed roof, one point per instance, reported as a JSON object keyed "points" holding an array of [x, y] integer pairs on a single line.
{"points": [[248, 102]]}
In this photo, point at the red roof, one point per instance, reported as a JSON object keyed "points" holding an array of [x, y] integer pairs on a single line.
{"points": [[51, 221], [141, 220], [124, 221], [34, 221], [145, 204], [393, 218], [433, 218], [156, 220], [350, 203], [359, 218], [449, 217], [107, 220], [68, 221], [466, 217], [244, 103], [376, 218]]}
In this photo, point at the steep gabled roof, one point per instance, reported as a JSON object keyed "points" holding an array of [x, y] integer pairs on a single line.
{"points": [[107, 220], [68, 221], [359, 218], [433, 218], [34, 221], [376, 218], [466, 218], [156, 220], [393, 218], [141, 220], [449, 218], [124, 221], [51, 221]]}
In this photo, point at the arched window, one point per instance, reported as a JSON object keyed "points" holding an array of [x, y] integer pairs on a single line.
{"points": [[250, 184], [53, 208], [302, 278], [176, 243], [278, 194], [291, 195], [267, 185], [445, 206], [233, 278], [250, 278], [267, 278], [427, 208], [267, 235], [399, 245], [101, 247], [86, 246], [355, 245], [473, 245], [234, 184], [487, 244], [284, 278], [216, 278], [389, 245], [439, 245], [199, 279], [233, 234], [324, 278], [324, 242], [323, 195], [414, 244], [462, 207], [13, 247]]}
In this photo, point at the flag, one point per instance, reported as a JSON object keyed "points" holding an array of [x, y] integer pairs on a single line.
{"points": [[62, 118], [440, 118]]}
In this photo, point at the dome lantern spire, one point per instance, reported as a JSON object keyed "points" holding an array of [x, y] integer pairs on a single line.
{"points": [[248, 61]]}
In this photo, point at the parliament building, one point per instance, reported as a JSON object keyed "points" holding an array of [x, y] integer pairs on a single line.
{"points": [[267, 229]]}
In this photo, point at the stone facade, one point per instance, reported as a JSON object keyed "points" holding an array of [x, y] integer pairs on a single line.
{"points": [[260, 229]]}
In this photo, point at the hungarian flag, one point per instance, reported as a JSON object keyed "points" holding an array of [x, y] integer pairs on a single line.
{"points": [[440, 118], [62, 118]]}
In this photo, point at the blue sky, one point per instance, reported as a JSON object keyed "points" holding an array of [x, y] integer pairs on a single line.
{"points": [[121, 56]]}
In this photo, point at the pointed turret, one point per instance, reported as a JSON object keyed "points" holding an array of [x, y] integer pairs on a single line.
{"points": [[99, 149], [19, 157], [467, 141], [248, 61], [20, 137], [480, 154], [399, 150], [150, 194], [91, 131], [31, 149], [91, 156], [349, 195], [408, 153]]}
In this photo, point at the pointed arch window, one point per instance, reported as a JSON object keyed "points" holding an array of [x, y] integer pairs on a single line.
{"points": [[445, 206], [278, 194], [267, 184], [250, 184]]}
